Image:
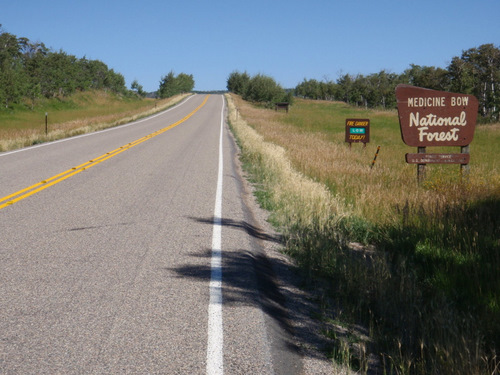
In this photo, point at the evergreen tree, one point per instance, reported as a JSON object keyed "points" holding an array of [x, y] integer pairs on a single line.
{"points": [[137, 88], [171, 85]]}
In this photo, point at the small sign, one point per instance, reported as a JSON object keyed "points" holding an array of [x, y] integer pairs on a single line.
{"points": [[281, 105], [435, 118], [437, 158], [357, 130]]}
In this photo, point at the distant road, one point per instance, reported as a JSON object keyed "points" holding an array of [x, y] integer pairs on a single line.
{"points": [[130, 251]]}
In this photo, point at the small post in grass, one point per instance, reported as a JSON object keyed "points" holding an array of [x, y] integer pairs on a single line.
{"points": [[46, 123], [421, 167], [375, 158], [464, 168]]}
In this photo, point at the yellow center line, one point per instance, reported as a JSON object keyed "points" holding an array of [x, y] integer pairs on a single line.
{"points": [[44, 184]]}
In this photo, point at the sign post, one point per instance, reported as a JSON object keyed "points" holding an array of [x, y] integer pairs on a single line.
{"points": [[375, 158], [436, 118], [464, 168]]}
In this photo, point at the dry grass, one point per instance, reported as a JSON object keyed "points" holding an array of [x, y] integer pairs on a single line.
{"points": [[430, 291], [373, 192], [299, 196]]}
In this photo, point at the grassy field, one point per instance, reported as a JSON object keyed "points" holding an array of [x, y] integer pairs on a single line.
{"points": [[417, 266], [81, 113]]}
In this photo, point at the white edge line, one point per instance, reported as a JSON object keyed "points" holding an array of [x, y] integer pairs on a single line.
{"points": [[97, 132], [215, 332]]}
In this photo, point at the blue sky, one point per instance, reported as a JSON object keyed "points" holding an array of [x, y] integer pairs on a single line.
{"points": [[287, 39]]}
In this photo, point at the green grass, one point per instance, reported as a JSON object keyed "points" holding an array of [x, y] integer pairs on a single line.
{"points": [[81, 105]]}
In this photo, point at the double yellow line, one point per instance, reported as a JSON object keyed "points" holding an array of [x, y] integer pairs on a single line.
{"points": [[42, 185]]}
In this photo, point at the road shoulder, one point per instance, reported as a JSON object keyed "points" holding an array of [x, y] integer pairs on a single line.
{"points": [[291, 307]]}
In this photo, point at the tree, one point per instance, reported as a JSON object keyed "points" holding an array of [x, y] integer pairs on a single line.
{"points": [[137, 88], [96, 72], [428, 77], [58, 74], [185, 82], [171, 85], [115, 81], [313, 89], [238, 82], [33, 55], [382, 88], [168, 86], [477, 72], [344, 83], [12, 77], [308, 89], [264, 89]]}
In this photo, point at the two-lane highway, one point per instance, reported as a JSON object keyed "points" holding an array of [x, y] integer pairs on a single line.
{"points": [[128, 251]]}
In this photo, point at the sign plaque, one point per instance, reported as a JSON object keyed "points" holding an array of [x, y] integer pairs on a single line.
{"points": [[357, 130], [435, 118], [437, 158]]}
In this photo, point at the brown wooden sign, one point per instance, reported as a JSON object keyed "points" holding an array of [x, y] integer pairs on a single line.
{"points": [[282, 105], [435, 118], [437, 158], [357, 130]]}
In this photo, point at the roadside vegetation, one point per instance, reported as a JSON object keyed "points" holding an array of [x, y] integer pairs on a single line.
{"points": [[83, 112], [408, 276]]}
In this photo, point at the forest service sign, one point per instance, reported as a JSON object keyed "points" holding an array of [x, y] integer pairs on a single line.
{"points": [[435, 118]]}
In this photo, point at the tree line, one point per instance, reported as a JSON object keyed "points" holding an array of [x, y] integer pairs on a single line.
{"points": [[30, 71], [476, 72]]}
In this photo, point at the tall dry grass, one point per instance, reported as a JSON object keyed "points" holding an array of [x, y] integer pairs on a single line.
{"points": [[298, 196], [430, 292]]}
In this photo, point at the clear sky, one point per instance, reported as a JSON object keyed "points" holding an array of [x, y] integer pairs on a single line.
{"points": [[287, 39]]}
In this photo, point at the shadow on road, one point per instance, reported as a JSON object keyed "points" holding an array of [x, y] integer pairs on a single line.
{"points": [[249, 228]]}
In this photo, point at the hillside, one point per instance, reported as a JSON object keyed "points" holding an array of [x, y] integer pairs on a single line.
{"points": [[79, 113]]}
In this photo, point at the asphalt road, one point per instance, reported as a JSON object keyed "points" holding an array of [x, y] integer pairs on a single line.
{"points": [[120, 259]]}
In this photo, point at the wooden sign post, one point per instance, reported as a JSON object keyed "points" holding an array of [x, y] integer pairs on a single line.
{"points": [[436, 118]]}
